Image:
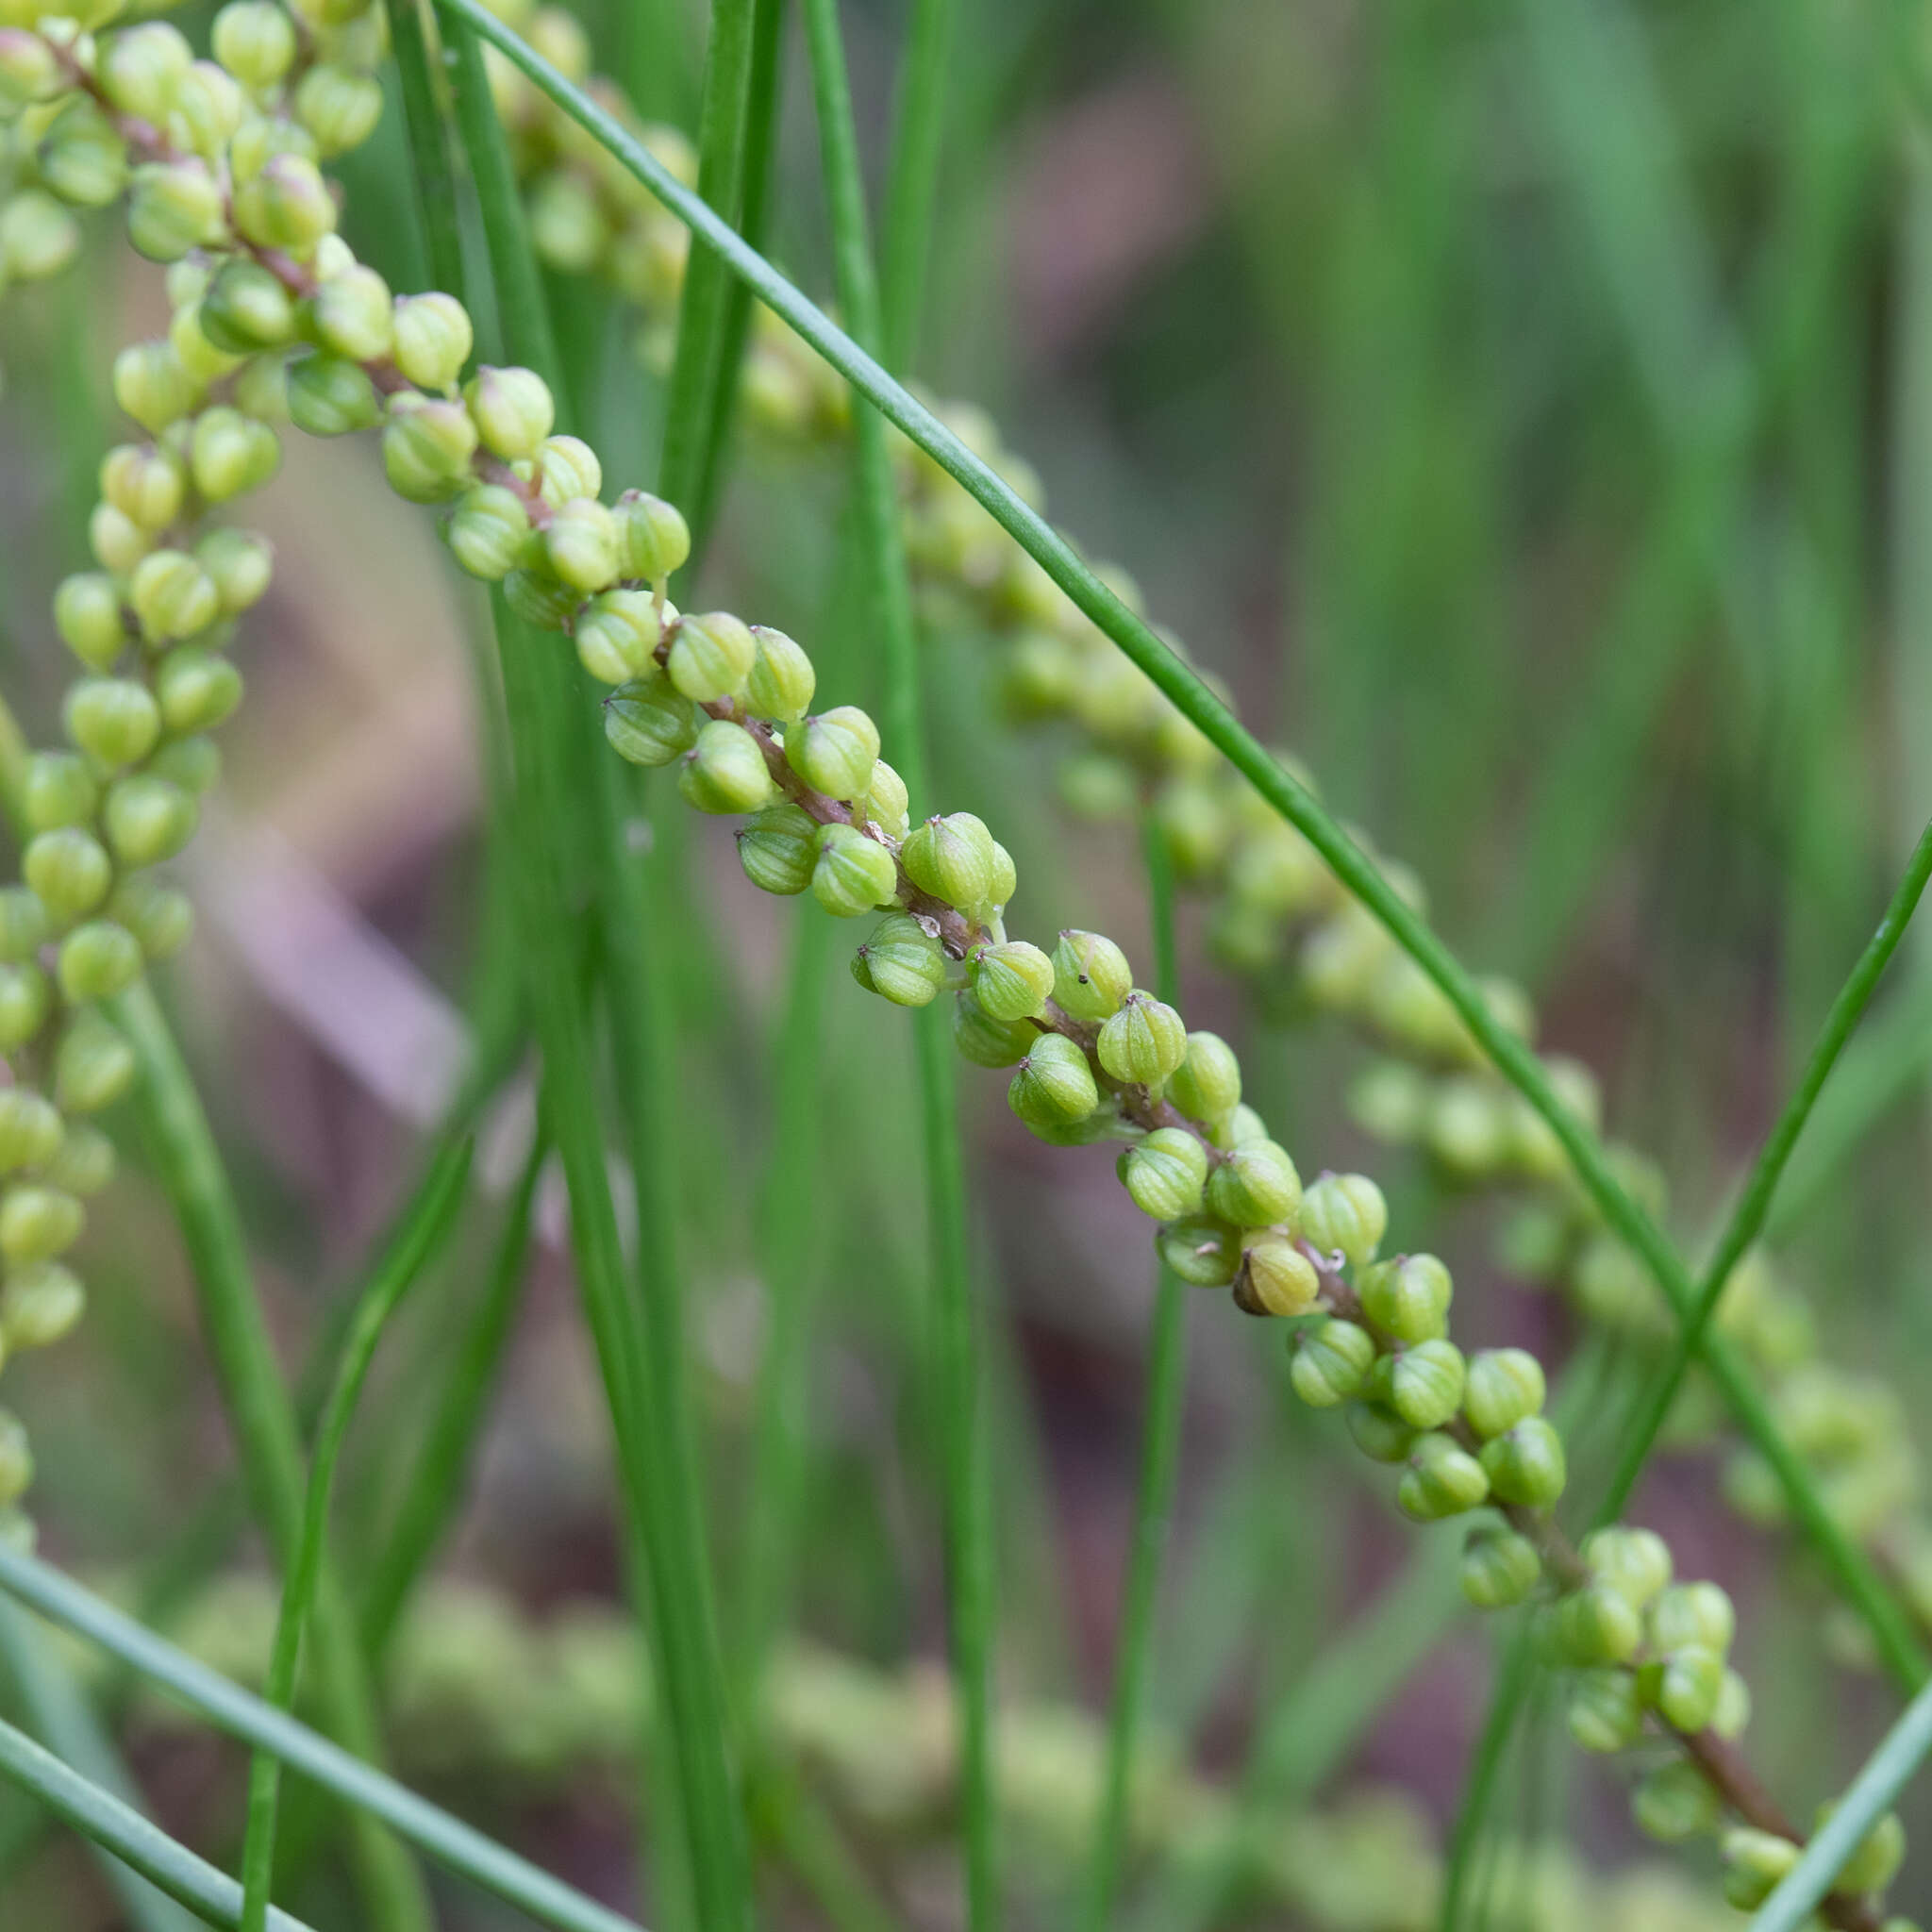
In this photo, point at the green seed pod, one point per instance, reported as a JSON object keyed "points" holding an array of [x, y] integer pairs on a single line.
{"points": [[433, 341], [25, 927], [338, 107], [93, 1065], [16, 1458], [1675, 1802], [30, 1129], [1597, 1624], [567, 225], [161, 917], [59, 791], [38, 1223], [41, 1306], [69, 871], [852, 873], [657, 542], [1499, 1568], [1755, 1863], [1091, 976], [954, 858], [1204, 1252], [192, 763], [151, 385], [1443, 1479], [617, 636], [1275, 1278], [1164, 1173], [37, 237], [1690, 1615], [1345, 1213], [564, 468], [28, 70], [1143, 1044], [1685, 1687], [986, 1041], [1505, 1385], [143, 483], [1255, 1186], [1424, 1384], [778, 847], [174, 206], [711, 655], [140, 68], [782, 681], [86, 613], [1206, 1086], [724, 771], [196, 690], [83, 1163], [231, 454], [1874, 1864], [261, 387], [254, 40], [1605, 1714], [1329, 1361], [328, 396], [202, 361], [1525, 1463], [514, 413], [426, 450], [538, 599], [885, 802], [580, 544], [902, 962], [1636, 1562], [1409, 1296], [116, 539], [488, 532], [649, 724], [835, 752], [1005, 876], [1013, 981], [26, 997], [285, 204], [1379, 1432], [148, 820], [247, 308], [241, 565], [1733, 1712], [1055, 1086], [81, 158], [172, 597], [98, 960], [353, 314]]}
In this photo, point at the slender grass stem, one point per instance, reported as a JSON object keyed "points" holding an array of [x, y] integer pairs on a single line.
{"points": [[1507, 1700], [1747, 1218], [912, 183], [431, 175], [457, 1846], [1852, 1571], [259, 1411], [1166, 1390], [393, 1278], [957, 1347]]}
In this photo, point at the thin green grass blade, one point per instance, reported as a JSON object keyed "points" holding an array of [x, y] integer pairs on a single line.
{"points": [[118, 1828], [1855, 1576], [1162, 1406], [1887, 1772], [457, 1846], [959, 1349], [259, 1411], [60, 1712], [1747, 1218], [1467, 1835], [430, 1496], [392, 1278], [912, 183], [433, 178]]}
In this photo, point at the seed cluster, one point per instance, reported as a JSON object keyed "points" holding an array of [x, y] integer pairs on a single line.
{"points": [[274, 319]]}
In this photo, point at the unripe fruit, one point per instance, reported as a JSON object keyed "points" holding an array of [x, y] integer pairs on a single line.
{"points": [[174, 208], [81, 158], [152, 386], [1636, 1562], [986, 1041], [16, 1460], [1505, 1385], [98, 960], [1409, 1296], [69, 871], [426, 450], [540, 600], [617, 636], [254, 40], [1526, 1464], [172, 597], [649, 724], [83, 1163], [1206, 1086], [1053, 1086], [140, 68], [59, 791], [1685, 1685], [1605, 1715], [196, 690], [656, 540], [580, 544], [1597, 1624], [328, 396], [1091, 976], [781, 681], [231, 454], [1379, 1432], [93, 1065], [1164, 1174], [1424, 1384], [1014, 981], [353, 315], [852, 874], [285, 204], [39, 1306], [338, 107], [247, 308], [1255, 1186], [24, 925], [1143, 1044], [148, 818], [1675, 1801], [30, 1129], [86, 613], [835, 752], [1202, 1251], [711, 655], [1275, 1278], [1499, 1568], [952, 858], [778, 848], [26, 999], [1443, 1479], [38, 1223], [143, 483], [1755, 1862], [885, 802], [1690, 1614], [433, 339], [724, 771], [488, 529], [565, 467], [1345, 1213], [241, 564], [902, 962], [1874, 1863], [1330, 1361], [514, 413], [160, 916]]}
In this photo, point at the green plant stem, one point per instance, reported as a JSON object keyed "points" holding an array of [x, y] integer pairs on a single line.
{"points": [[429, 1497], [119, 1829], [433, 179], [637, 1337], [1858, 1581], [912, 183], [959, 1349], [392, 1278], [1167, 1369], [259, 1411], [454, 1844], [60, 1712], [1507, 1700], [1747, 1218], [1885, 1773]]}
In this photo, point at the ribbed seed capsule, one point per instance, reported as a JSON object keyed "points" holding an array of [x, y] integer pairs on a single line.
{"points": [[148, 820], [26, 997], [514, 413], [39, 1306], [1204, 1252], [1684, 1686], [113, 719], [93, 1065], [1164, 1173], [1091, 976], [1505, 1385], [656, 540], [1206, 1086], [1755, 1863], [1605, 1715], [1526, 1464], [192, 763], [1499, 1568], [1256, 1186], [16, 1460], [487, 531], [1422, 1384], [902, 963], [1329, 1361], [885, 802], [255, 41], [852, 873], [1636, 1562], [86, 613], [580, 544], [1409, 1296], [143, 483], [247, 308], [28, 70], [986, 1041], [230, 454], [351, 315], [30, 1129], [1690, 1614], [160, 916], [330, 396], [81, 158], [1005, 876], [834, 752], [782, 680], [1874, 1863], [1143, 1044], [616, 634], [649, 724], [724, 771], [1597, 1624], [118, 542], [82, 1163], [540, 600], [564, 467], [1443, 1479], [426, 450], [1345, 1212], [69, 871], [172, 595], [37, 237], [38, 1223], [1053, 1086], [1675, 1802], [778, 848], [285, 204], [711, 655], [1013, 981], [1275, 1278], [174, 208], [340, 107], [1379, 1432], [196, 690], [24, 925], [98, 960], [140, 68], [952, 858], [59, 791]]}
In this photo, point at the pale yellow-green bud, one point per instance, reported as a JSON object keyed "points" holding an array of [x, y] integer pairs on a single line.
{"points": [[81, 158], [834, 752], [782, 680], [724, 771], [254, 40], [30, 1129], [145, 483], [565, 467], [1346, 1213], [1254, 1186], [617, 636], [41, 1305], [160, 916], [152, 386], [37, 237], [208, 112], [86, 613], [16, 1458], [97, 959], [338, 107], [285, 204], [116, 539], [38, 1223], [329, 396], [140, 68], [649, 723], [231, 454], [114, 720], [852, 874], [1164, 1174], [581, 543], [426, 450], [1505, 1385], [26, 997], [172, 597], [1014, 981], [1053, 1086], [241, 563], [59, 791], [951, 857], [1091, 976], [778, 847], [354, 314], [174, 206], [196, 690], [657, 541], [433, 339], [901, 961], [514, 413], [711, 655], [28, 70], [1275, 1278], [93, 1065]]}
